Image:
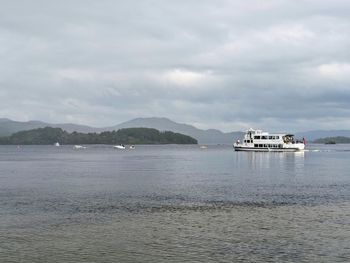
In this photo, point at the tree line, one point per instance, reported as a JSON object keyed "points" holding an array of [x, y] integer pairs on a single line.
{"points": [[49, 135], [332, 140]]}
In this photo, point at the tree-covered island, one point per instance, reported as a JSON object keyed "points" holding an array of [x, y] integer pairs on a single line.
{"points": [[333, 140], [48, 135]]}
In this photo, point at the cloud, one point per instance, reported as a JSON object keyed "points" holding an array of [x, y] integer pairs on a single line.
{"points": [[184, 78], [272, 64], [336, 71]]}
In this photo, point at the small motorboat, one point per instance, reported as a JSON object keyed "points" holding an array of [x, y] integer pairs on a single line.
{"points": [[119, 147], [79, 147], [57, 144]]}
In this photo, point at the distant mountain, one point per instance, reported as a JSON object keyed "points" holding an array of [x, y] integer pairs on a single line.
{"points": [[70, 127], [4, 120], [211, 136], [317, 134], [8, 127]]}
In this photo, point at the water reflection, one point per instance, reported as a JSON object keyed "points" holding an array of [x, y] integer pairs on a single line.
{"points": [[287, 161]]}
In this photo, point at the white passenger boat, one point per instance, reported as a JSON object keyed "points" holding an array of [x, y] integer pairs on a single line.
{"points": [[257, 140]]}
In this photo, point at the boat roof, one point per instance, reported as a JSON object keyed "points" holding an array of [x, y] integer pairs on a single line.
{"points": [[260, 132]]}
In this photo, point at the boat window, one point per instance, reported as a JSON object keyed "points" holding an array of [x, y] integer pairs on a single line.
{"points": [[256, 145], [277, 137], [263, 137], [270, 137], [260, 145], [257, 137]]}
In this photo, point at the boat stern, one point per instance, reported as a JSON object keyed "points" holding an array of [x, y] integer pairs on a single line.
{"points": [[295, 146]]}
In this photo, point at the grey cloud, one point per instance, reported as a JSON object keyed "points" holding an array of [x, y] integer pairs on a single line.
{"points": [[225, 64]]}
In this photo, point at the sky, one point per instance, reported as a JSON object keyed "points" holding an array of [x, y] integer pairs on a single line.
{"points": [[276, 65]]}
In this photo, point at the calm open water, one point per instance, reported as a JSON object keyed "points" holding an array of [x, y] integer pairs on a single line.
{"points": [[174, 204]]}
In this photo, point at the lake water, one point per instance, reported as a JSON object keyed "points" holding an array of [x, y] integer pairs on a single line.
{"points": [[174, 204]]}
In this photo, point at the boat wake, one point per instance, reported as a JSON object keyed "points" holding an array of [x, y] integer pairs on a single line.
{"points": [[327, 150]]}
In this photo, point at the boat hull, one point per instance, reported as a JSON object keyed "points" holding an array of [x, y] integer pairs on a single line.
{"points": [[253, 149], [119, 147]]}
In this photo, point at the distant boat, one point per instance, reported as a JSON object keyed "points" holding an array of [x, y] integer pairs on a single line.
{"points": [[119, 147], [132, 147], [79, 147], [203, 147], [57, 144]]}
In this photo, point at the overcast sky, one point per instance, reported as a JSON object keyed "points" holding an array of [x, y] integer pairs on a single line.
{"points": [[270, 64]]}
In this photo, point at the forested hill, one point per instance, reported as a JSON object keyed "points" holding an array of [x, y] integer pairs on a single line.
{"points": [[48, 135], [332, 140]]}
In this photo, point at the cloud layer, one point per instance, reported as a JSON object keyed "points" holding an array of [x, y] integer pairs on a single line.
{"points": [[275, 64]]}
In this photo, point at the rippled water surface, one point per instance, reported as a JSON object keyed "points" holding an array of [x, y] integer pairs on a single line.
{"points": [[174, 204]]}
